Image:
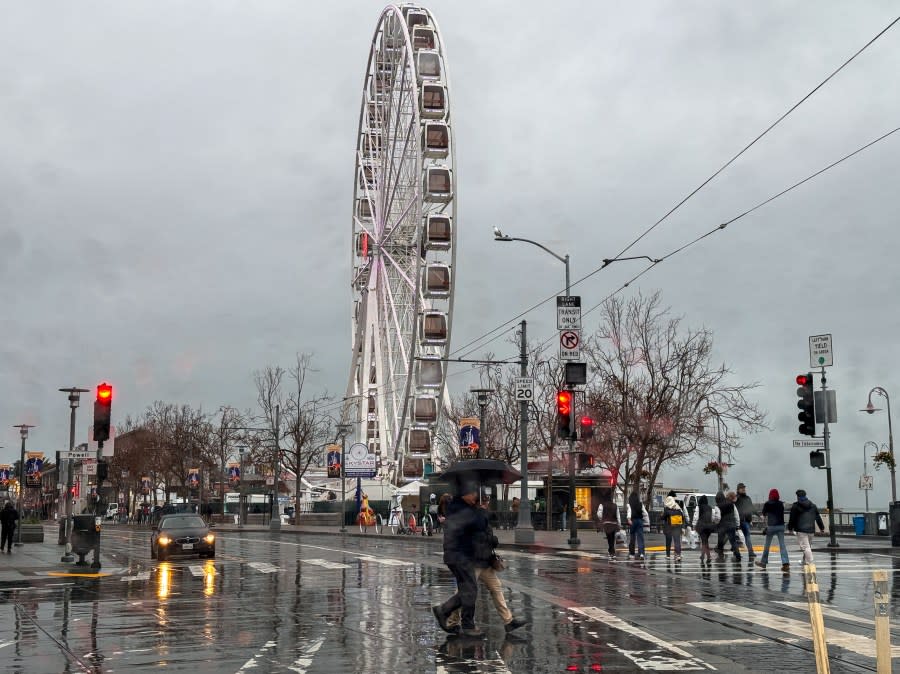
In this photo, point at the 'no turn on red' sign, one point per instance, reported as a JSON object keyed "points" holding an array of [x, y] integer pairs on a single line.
{"points": [[570, 344]]}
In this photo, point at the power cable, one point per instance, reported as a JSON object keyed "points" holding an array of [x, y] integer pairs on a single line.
{"points": [[608, 261]]}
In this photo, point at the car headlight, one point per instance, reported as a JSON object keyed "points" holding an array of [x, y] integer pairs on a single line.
{"points": [[163, 540], [210, 538]]}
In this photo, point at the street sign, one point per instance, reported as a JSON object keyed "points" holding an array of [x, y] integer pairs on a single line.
{"points": [[820, 353], [568, 312], [77, 455], [815, 443], [524, 389], [865, 482], [570, 345]]}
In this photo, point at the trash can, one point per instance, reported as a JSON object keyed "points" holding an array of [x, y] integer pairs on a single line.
{"points": [[895, 524], [882, 523], [859, 524], [85, 534]]}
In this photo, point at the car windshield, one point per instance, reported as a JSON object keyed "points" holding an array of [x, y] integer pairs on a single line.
{"points": [[189, 522]]}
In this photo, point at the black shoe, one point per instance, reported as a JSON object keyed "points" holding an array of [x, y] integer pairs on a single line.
{"points": [[515, 624], [442, 619], [472, 632]]}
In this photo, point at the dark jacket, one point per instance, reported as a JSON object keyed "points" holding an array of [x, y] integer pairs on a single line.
{"points": [[804, 517], [773, 511], [8, 517], [744, 507], [729, 513], [484, 541], [463, 525]]}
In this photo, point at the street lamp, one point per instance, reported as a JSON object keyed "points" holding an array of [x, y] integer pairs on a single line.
{"points": [[23, 433], [74, 398], [500, 236], [342, 430], [871, 409], [524, 502], [481, 396], [866, 467]]}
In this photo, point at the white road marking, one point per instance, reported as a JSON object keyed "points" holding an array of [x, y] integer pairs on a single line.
{"points": [[7, 643], [386, 561], [251, 663], [326, 564], [855, 643], [302, 663], [143, 575], [651, 661], [201, 571], [658, 661], [263, 567], [827, 610]]}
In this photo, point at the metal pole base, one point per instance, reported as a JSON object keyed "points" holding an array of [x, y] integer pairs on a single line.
{"points": [[68, 556], [524, 536], [834, 545], [275, 523], [574, 542]]}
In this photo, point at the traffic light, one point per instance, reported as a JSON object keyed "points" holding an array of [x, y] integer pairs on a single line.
{"points": [[817, 459], [805, 404], [587, 428], [102, 471], [102, 412], [564, 414]]}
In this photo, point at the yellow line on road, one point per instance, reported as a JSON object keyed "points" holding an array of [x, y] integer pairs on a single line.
{"points": [[66, 574]]}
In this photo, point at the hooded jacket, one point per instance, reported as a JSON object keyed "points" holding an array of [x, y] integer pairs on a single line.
{"points": [[729, 513], [670, 508], [466, 526], [805, 517], [773, 511]]}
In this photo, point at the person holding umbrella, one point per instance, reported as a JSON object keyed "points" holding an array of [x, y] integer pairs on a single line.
{"points": [[465, 523]]}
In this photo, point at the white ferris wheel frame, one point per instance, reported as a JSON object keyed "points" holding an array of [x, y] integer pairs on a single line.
{"points": [[390, 250]]}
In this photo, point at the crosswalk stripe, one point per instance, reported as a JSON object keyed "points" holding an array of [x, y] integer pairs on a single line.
{"points": [[263, 567], [689, 661], [828, 611], [855, 643], [387, 561], [324, 563]]}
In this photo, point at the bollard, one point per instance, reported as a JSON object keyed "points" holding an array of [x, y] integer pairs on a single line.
{"points": [[882, 623], [815, 618]]}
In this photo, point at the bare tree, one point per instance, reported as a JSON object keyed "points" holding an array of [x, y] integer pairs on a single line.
{"points": [[653, 383]]}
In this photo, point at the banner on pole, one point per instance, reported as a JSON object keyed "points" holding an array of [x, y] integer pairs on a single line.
{"points": [[34, 467], [469, 437]]}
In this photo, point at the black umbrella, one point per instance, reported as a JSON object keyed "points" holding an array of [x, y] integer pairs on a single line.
{"points": [[485, 471]]}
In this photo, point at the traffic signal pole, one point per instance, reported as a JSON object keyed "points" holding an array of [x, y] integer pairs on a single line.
{"points": [[573, 541], [826, 436]]}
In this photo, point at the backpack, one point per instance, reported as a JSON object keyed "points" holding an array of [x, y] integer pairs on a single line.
{"points": [[716, 515]]}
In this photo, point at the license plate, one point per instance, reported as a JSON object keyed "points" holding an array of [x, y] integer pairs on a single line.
{"points": [[187, 546]]}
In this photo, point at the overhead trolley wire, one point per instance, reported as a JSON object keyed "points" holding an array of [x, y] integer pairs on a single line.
{"points": [[608, 261], [719, 228]]}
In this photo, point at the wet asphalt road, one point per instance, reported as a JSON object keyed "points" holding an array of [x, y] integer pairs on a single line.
{"points": [[326, 603]]}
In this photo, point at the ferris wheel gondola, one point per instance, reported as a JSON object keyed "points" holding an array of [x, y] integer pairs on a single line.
{"points": [[403, 246]]}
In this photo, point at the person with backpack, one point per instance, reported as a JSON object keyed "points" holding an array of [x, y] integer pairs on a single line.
{"points": [[609, 521], [773, 511], [803, 520], [728, 525], [706, 520], [636, 515], [673, 521]]}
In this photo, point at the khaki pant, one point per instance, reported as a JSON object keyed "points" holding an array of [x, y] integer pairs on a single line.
{"points": [[492, 582]]}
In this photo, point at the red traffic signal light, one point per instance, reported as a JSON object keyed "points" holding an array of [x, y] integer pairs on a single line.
{"points": [[806, 417], [587, 428], [102, 412], [564, 414]]}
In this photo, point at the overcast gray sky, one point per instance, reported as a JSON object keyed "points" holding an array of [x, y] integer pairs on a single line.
{"points": [[176, 187]]}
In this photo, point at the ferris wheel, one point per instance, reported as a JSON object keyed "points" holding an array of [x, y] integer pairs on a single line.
{"points": [[402, 245]]}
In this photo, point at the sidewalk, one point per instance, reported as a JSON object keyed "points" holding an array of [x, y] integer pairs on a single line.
{"points": [[32, 560]]}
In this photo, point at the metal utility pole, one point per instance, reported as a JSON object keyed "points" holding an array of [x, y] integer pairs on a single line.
{"points": [[23, 433], [343, 429], [275, 520], [826, 435], [574, 541], [524, 529], [74, 399]]}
